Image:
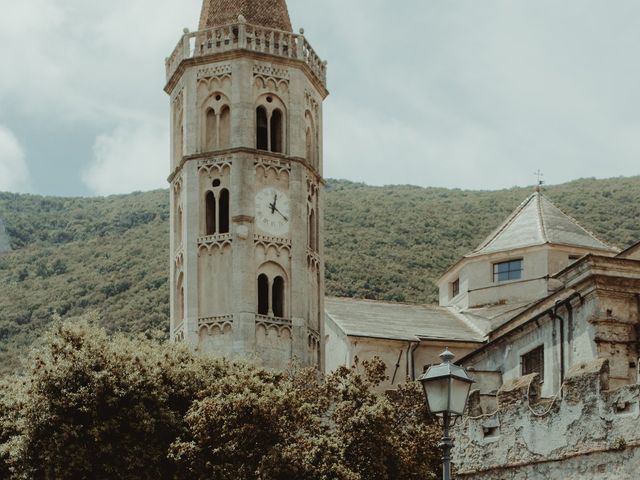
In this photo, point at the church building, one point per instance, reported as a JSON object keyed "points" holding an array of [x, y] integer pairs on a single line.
{"points": [[539, 295], [247, 263]]}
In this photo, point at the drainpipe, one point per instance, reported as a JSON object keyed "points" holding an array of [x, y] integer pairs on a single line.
{"points": [[560, 320], [413, 346], [395, 372]]}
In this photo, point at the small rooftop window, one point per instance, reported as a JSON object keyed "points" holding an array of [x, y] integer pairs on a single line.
{"points": [[505, 271]]}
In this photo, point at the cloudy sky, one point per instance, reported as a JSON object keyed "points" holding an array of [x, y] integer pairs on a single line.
{"points": [[456, 93]]}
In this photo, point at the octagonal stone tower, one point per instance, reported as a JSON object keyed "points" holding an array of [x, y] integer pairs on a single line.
{"points": [[247, 268]]}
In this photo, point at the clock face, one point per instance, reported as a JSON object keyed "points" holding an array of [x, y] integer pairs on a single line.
{"points": [[273, 211]]}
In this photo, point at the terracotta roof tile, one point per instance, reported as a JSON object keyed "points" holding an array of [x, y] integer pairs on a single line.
{"points": [[264, 13]]}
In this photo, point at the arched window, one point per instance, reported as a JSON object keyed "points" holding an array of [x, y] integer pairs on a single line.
{"points": [[178, 227], [180, 144], [180, 297], [225, 128], [263, 295], [210, 208], [211, 130], [312, 230], [310, 139], [310, 146], [278, 297], [276, 131], [262, 129], [224, 211]]}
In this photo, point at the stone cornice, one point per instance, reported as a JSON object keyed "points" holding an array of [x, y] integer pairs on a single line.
{"points": [[248, 151], [244, 53]]}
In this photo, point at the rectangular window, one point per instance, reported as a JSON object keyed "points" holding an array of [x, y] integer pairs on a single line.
{"points": [[505, 271], [455, 288], [533, 362]]}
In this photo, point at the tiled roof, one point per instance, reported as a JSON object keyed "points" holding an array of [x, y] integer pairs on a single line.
{"points": [[264, 13], [537, 221], [398, 321]]}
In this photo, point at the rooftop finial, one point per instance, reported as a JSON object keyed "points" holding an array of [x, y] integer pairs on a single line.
{"points": [[447, 356], [539, 176]]}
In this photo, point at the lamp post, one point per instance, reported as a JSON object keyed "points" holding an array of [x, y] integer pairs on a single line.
{"points": [[446, 388]]}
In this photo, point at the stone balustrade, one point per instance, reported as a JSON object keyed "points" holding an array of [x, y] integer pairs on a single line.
{"points": [[246, 37]]}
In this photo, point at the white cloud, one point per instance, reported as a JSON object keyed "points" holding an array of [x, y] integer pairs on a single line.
{"points": [[14, 174], [132, 157], [457, 93]]}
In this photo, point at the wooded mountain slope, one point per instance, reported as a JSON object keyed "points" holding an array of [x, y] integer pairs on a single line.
{"points": [[110, 255]]}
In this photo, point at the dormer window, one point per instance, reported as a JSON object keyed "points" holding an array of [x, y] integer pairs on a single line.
{"points": [[505, 271]]}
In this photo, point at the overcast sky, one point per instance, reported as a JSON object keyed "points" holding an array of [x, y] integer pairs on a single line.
{"points": [[455, 93]]}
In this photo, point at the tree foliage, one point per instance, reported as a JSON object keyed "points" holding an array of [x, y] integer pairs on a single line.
{"points": [[109, 256], [92, 407]]}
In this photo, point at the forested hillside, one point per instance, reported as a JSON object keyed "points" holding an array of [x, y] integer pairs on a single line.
{"points": [[110, 255]]}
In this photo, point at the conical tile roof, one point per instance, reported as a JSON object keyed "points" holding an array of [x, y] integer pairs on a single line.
{"points": [[537, 221], [264, 13]]}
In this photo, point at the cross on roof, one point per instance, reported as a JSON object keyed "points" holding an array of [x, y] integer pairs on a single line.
{"points": [[539, 176]]}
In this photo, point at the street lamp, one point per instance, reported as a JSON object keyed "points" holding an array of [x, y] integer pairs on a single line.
{"points": [[446, 388]]}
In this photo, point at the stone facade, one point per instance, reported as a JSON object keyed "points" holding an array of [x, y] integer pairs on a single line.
{"points": [[247, 268], [588, 432]]}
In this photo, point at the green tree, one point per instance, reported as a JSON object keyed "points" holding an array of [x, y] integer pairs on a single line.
{"points": [[94, 407]]}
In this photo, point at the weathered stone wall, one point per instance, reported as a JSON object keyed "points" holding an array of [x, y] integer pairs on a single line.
{"points": [[590, 433]]}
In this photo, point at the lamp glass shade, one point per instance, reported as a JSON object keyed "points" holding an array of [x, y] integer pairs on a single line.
{"points": [[459, 394], [437, 393]]}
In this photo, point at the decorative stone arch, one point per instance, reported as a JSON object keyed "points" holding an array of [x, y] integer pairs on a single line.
{"points": [[178, 221], [311, 140], [180, 296], [271, 124], [273, 295], [215, 132], [217, 209], [312, 231], [178, 132]]}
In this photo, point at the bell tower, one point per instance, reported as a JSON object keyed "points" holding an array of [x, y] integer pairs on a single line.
{"points": [[247, 267]]}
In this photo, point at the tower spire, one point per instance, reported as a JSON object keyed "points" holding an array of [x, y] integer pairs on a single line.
{"points": [[263, 13]]}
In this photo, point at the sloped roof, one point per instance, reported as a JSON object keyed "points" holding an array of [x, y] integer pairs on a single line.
{"points": [[537, 221], [264, 13], [399, 321], [633, 252], [496, 315]]}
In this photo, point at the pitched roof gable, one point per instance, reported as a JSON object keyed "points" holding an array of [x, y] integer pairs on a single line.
{"points": [[537, 221]]}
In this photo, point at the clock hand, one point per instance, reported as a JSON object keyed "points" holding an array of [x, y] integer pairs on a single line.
{"points": [[285, 218]]}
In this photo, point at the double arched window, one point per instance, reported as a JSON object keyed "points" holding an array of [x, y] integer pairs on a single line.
{"points": [[270, 125], [271, 296], [216, 133], [216, 211]]}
